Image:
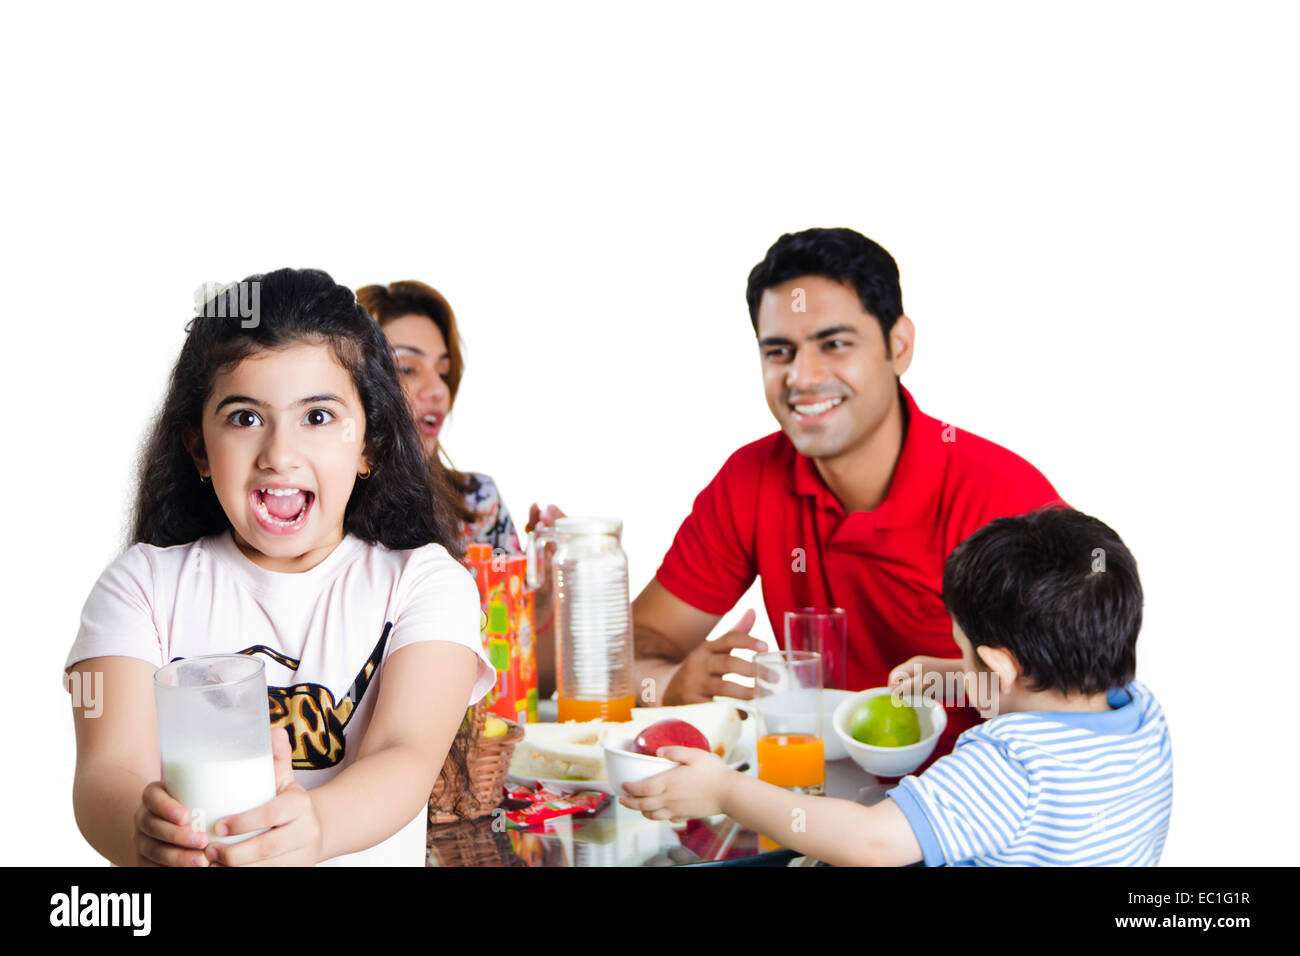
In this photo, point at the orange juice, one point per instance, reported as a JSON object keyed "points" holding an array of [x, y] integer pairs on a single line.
{"points": [[792, 760], [618, 710]]}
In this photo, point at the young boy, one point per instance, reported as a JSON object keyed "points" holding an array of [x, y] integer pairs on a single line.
{"points": [[1074, 766]]}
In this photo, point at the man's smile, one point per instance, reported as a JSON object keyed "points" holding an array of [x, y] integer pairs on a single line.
{"points": [[808, 413]]}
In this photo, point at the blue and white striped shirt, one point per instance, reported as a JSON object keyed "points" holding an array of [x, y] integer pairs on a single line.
{"points": [[1054, 788]]}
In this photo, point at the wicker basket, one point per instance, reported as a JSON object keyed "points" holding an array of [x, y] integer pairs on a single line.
{"points": [[488, 759]]}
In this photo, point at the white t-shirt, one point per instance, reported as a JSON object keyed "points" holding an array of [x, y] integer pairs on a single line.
{"points": [[323, 635]]}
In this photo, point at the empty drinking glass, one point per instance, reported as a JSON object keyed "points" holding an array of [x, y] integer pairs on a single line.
{"points": [[824, 631]]}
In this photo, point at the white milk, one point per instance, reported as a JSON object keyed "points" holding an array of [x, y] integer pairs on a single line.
{"points": [[218, 788]]}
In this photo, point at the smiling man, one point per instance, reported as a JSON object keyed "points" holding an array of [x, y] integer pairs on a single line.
{"points": [[855, 503]]}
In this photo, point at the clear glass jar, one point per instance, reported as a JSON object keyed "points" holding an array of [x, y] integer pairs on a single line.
{"points": [[593, 616]]}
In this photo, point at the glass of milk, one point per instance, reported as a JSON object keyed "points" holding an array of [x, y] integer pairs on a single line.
{"points": [[214, 731]]}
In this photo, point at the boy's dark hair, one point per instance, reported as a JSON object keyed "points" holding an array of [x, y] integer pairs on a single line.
{"points": [[1059, 590], [846, 256], [396, 506]]}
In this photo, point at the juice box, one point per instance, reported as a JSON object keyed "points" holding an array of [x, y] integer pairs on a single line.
{"points": [[525, 641], [509, 631]]}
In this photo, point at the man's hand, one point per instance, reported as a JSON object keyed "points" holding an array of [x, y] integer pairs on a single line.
{"points": [[695, 789], [699, 677]]}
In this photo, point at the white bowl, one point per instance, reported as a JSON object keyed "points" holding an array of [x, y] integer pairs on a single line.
{"points": [[830, 701], [624, 765], [890, 761]]}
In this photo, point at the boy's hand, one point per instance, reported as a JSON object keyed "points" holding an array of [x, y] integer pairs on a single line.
{"points": [[295, 835], [919, 674], [695, 789]]}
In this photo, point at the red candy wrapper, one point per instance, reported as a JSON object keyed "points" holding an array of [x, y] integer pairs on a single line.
{"points": [[544, 805]]}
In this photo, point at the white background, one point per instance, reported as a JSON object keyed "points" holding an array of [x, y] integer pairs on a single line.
{"points": [[1093, 207]]}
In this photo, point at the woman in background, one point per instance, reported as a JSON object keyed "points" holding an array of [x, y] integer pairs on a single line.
{"points": [[421, 329]]}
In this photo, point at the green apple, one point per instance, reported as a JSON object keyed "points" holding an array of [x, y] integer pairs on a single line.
{"points": [[883, 721]]}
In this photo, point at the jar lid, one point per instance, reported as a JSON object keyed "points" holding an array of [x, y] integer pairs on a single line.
{"points": [[589, 525]]}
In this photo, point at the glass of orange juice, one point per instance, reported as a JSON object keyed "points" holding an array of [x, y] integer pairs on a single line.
{"points": [[788, 707]]}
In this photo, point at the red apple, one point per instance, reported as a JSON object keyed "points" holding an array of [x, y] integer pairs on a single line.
{"points": [[670, 733]]}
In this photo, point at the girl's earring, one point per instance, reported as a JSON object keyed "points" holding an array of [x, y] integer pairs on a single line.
{"points": [[364, 474], [202, 477]]}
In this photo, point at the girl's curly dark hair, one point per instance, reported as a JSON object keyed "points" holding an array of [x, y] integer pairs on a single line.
{"points": [[396, 507]]}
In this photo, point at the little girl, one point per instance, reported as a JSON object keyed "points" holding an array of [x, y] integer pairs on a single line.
{"points": [[284, 511]]}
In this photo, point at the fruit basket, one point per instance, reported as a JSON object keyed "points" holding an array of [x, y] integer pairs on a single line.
{"points": [[488, 759]]}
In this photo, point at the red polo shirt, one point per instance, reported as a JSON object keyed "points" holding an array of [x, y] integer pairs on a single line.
{"points": [[768, 513]]}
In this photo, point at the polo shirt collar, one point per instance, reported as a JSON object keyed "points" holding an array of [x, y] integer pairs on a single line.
{"points": [[917, 479]]}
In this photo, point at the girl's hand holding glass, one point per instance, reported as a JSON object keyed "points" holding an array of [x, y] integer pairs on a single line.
{"points": [[163, 835], [294, 837]]}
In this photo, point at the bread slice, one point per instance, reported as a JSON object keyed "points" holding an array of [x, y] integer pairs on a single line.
{"points": [[560, 752]]}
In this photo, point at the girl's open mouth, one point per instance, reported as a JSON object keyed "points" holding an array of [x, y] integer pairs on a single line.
{"points": [[282, 510]]}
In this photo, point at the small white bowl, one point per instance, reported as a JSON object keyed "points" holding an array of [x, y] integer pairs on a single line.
{"points": [[890, 761], [830, 701], [624, 765]]}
